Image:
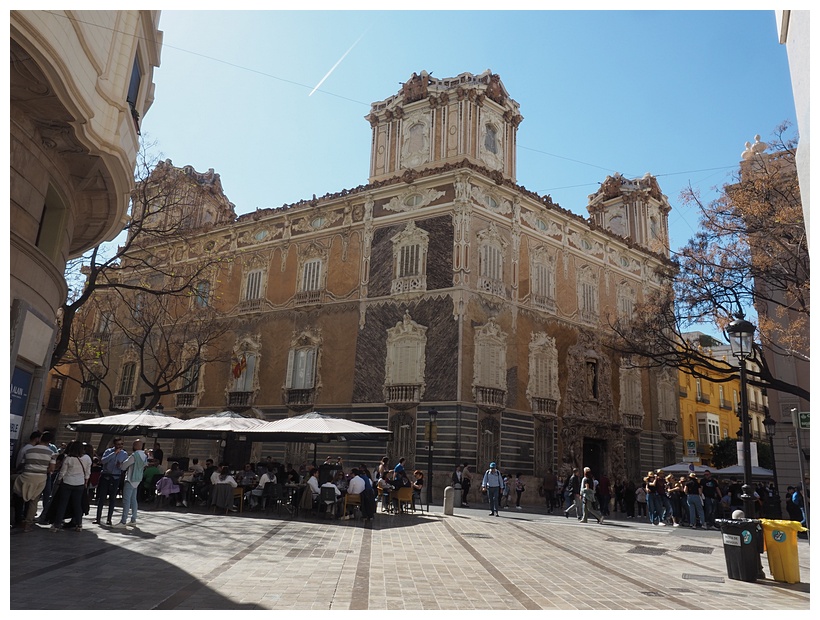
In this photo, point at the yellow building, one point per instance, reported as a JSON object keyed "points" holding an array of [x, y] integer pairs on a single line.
{"points": [[708, 406]]}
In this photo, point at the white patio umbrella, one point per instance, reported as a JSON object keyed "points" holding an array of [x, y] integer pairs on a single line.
{"points": [[737, 470], [132, 423], [684, 468], [315, 427], [215, 426]]}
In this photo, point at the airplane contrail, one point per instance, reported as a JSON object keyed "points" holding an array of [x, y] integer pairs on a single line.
{"points": [[333, 68]]}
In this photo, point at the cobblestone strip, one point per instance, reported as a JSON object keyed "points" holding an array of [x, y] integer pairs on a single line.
{"points": [[606, 568], [189, 589], [516, 592], [361, 583]]}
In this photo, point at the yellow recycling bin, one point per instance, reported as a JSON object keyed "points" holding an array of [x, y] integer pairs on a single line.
{"points": [[781, 548]]}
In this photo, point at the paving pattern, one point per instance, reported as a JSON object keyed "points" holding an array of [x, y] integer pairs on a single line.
{"points": [[195, 560]]}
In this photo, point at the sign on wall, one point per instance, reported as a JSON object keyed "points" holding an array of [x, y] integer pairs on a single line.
{"points": [[20, 384]]}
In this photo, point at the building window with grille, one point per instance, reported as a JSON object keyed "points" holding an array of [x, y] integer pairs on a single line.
{"points": [[253, 291], [588, 294], [543, 284], [491, 250], [129, 371], [243, 372], [626, 301], [405, 362], [301, 368], [312, 275], [490, 367], [409, 260], [542, 388]]}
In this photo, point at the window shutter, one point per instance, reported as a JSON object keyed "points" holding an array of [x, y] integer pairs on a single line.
{"points": [[289, 374]]}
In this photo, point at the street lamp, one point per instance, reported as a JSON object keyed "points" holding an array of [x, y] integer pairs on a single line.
{"points": [[741, 334], [431, 438], [769, 425]]}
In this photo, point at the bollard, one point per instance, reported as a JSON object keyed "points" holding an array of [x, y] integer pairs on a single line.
{"points": [[449, 492]]}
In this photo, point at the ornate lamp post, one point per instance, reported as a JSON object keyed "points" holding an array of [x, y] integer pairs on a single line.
{"points": [[432, 431], [741, 334], [769, 424]]}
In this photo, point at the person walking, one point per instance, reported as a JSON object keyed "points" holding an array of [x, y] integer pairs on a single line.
{"points": [[134, 468], [492, 483], [519, 489], [110, 478], [604, 492], [466, 483], [640, 499], [573, 487], [550, 485], [590, 498]]}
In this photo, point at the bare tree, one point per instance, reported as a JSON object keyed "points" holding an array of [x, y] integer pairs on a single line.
{"points": [[166, 210], [750, 252]]}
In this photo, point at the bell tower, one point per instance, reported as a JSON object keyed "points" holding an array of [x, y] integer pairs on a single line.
{"points": [[634, 209], [430, 122]]}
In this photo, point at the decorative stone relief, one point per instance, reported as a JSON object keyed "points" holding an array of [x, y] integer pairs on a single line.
{"points": [[491, 147], [490, 199], [317, 221], [415, 147], [413, 199], [588, 391]]}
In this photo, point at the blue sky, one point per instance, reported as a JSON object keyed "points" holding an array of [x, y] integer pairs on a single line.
{"points": [[673, 93]]}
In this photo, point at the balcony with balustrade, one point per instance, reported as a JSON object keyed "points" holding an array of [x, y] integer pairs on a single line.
{"points": [[544, 406], [669, 428], [187, 401], [490, 399], [299, 399], [402, 396], [239, 401], [123, 402], [633, 422]]}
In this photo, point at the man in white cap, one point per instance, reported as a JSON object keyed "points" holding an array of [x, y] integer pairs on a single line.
{"points": [[492, 483]]}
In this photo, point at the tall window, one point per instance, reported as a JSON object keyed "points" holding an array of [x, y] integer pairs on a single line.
{"points": [[631, 400], [409, 259], [203, 293], [543, 379], [406, 344], [626, 301], [127, 375], [312, 275], [490, 139], [134, 84], [543, 281], [243, 372], [490, 366], [491, 261], [588, 294], [253, 285], [301, 368], [89, 393], [190, 378]]}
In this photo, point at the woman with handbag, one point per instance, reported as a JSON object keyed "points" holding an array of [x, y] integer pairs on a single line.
{"points": [[73, 476]]}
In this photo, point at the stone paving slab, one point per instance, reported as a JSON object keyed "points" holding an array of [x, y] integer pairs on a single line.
{"points": [[469, 561]]}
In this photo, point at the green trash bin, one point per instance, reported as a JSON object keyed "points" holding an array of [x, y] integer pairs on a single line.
{"points": [[780, 538], [742, 545]]}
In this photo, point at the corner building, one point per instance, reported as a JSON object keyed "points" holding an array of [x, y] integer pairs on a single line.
{"points": [[79, 83], [443, 284]]}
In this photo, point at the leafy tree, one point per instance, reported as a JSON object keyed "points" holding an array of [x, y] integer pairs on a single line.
{"points": [[750, 252], [724, 453]]}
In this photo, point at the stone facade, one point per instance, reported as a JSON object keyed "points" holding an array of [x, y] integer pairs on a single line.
{"points": [[443, 284], [79, 82]]}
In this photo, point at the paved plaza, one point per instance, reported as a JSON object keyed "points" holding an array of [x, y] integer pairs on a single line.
{"points": [[195, 560]]}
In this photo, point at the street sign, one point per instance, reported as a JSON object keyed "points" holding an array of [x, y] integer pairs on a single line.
{"points": [[691, 448], [803, 419]]}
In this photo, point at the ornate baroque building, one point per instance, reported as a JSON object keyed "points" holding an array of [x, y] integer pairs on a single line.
{"points": [[444, 284], [79, 81]]}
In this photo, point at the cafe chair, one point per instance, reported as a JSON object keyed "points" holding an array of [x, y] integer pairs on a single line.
{"points": [[354, 501], [272, 495], [327, 498], [222, 496], [404, 498]]}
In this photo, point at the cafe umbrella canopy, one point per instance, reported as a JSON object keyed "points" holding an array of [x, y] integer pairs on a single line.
{"points": [[316, 428], [217, 426], [136, 422]]}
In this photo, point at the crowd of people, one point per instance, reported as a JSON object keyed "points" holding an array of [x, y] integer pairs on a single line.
{"points": [[662, 499], [70, 477]]}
